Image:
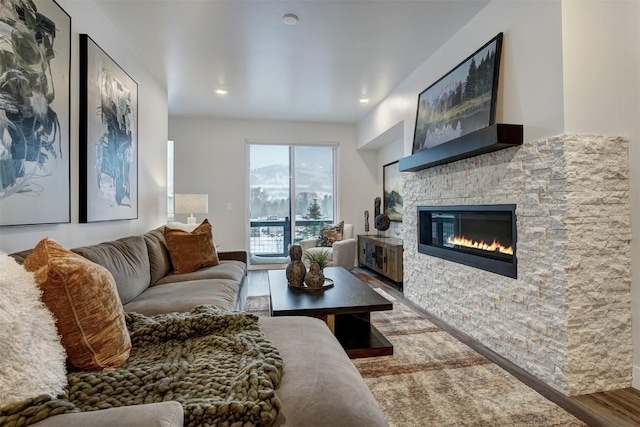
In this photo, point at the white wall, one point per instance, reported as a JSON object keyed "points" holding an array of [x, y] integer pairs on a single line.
{"points": [[631, 28], [567, 67], [530, 91], [390, 153], [210, 157], [593, 51], [152, 140]]}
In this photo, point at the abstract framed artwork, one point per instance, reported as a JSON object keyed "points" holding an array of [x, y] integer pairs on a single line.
{"points": [[462, 101], [392, 189], [35, 64], [108, 137]]}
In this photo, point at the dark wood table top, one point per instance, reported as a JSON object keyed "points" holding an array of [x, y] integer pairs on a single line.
{"points": [[348, 295]]}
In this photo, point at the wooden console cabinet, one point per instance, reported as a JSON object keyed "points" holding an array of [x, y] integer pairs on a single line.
{"points": [[382, 255]]}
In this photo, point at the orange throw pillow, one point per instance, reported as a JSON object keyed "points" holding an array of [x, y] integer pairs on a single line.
{"points": [[193, 250], [84, 300]]}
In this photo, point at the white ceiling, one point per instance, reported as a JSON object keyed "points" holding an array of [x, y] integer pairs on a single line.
{"points": [[315, 71]]}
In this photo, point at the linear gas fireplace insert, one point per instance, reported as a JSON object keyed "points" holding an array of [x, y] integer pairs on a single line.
{"points": [[481, 236]]}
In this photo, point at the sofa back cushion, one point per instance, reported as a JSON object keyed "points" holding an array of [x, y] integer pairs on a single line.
{"points": [[127, 260], [159, 258]]}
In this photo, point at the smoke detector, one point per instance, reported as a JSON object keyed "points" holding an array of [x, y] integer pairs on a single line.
{"points": [[290, 19]]}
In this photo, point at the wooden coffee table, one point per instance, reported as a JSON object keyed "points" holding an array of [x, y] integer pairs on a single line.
{"points": [[346, 308]]}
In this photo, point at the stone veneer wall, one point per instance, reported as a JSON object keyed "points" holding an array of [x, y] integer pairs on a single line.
{"points": [[567, 318]]}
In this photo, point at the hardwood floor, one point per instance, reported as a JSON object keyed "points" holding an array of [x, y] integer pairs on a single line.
{"points": [[617, 408], [258, 283]]}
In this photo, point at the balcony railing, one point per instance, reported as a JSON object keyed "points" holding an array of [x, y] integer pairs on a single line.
{"points": [[271, 237]]}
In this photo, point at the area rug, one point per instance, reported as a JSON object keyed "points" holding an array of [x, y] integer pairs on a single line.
{"points": [[258, 305], [433, 379]]}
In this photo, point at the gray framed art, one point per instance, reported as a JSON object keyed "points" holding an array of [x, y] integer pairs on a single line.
{"points": [[392, 190], [108, 137], [35, 64]]}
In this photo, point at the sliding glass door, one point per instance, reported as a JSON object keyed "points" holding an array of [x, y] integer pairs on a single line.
{"points": [[291, 194], [269, 202]]}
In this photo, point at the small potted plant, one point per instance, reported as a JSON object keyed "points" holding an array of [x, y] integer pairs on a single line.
{"points": [[319, 257], [317, 262]]}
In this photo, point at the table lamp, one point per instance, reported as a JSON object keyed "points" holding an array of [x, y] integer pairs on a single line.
{"points": [[192, 203]]}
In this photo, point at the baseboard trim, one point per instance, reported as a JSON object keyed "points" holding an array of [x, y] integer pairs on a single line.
{"points": [[635, 377]]}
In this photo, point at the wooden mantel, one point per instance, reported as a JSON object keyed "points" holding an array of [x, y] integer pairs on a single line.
{"points": [[492, 138]]}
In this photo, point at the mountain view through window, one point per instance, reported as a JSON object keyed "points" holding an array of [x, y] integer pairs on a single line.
{"points": [[276, 189]]}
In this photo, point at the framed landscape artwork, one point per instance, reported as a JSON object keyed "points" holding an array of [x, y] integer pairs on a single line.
{"points": [[462, 101], [34, 113], [108, 137], [392, 189]]}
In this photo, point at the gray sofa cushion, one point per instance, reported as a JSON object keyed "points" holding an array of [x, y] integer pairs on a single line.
{"points": [[231, 270], [127, 260], [162, 414], [159, 258], [320, 386], [184, 296]]}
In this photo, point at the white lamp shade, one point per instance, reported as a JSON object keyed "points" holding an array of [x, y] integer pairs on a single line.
{"points": [[192, 203]]}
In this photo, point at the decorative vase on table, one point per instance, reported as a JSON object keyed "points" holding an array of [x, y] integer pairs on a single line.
{"points": [[315, 277], [296, 269]]}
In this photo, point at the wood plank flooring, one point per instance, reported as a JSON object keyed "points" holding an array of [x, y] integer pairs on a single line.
{"points": [[258, 283], [617, 408]]}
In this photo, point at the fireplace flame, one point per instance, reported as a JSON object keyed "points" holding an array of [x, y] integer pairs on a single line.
{"points": [[492, 247]]}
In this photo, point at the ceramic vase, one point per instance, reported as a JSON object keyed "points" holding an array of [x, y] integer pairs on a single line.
{"points": [[296, 269], [315, 277]]}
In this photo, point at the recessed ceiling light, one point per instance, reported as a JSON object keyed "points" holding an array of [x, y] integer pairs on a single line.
{"points": [[364, 100], [221, 91], [290, 19]]}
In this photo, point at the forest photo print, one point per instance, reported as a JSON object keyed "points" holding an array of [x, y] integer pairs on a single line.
{"points": [[462, 101]]}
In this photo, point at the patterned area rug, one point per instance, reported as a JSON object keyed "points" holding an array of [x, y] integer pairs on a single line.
{"points": [[258, 305], [433, 379]]}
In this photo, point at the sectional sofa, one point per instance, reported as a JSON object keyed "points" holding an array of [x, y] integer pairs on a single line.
{"points": [[319, 386]]}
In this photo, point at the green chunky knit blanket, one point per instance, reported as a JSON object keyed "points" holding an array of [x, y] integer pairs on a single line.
{"points": [[217, 364]]}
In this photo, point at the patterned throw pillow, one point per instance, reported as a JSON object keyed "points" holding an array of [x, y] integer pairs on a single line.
{"points": [[330, 234], [193, 250], [83, 298]]}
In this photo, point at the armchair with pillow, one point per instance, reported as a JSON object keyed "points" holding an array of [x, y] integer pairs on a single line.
{"points": [[336, 239]]}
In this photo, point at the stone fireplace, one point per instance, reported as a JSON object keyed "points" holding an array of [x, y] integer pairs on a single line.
{"points": [[565, 313]]}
